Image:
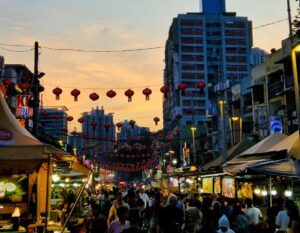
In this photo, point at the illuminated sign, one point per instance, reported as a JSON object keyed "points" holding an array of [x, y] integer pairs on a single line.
{"points": [[275, 124], [23, 109]]}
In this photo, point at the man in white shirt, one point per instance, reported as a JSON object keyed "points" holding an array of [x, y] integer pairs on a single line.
{"points": [[144, 196], [282, 218], [253, 214]]}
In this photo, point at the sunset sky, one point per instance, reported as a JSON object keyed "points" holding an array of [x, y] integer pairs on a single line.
{"points": [[113, 25]]}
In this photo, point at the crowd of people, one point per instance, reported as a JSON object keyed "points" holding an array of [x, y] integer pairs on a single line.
{"points": [[140, 211]]}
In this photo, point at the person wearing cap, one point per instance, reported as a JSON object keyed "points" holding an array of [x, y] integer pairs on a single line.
{"points": [[224, 225]]}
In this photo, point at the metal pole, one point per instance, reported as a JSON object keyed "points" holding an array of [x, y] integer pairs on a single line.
{"points": [[241, 128], [194, 146], [47, 193], [295, 49], [35, 90], [289, 18]]}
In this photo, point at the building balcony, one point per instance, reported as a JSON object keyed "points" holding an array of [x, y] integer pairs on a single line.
{"points": [[275, 89]]}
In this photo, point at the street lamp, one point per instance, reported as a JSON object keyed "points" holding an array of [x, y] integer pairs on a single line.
{"points": [[296, 53], [236, 118], [193, 128], [224, 146], [174, 161]]}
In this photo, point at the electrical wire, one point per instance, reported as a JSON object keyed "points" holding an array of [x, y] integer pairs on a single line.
{"points": [[16, 51], [107, 51]]}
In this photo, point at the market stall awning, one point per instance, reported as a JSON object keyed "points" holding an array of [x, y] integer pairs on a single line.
{"points": [[288, 167], [16, 143], [291, 144], [241, 163], [265, 144]]}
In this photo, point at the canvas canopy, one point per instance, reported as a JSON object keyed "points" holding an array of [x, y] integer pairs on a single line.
{"points": [[19, 150], [291, 144], [265, 144], [288, 167]]}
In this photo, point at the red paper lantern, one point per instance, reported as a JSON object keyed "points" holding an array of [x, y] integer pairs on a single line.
{"points": [[6, 82], [80, 120], [41, 88], [75, 93], [201, 86], [57, 91], [44, 113], [74, 133], [94, 124], [70, 118], [147, 92], [106, 126], [65, 130], [178, 116], [119, 125], [156, 120], [129, 93], [94, 96], [55, 117], [165, 90], [131, 123], [24, 86], [182, 87], [111, 94]]}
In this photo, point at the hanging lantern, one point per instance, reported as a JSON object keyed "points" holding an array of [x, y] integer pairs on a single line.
{"points": [[182, 87], [111, 94], [41, 88], [119, 125], [156, 120], [147, 92], [24, 86], [106, 126], [6, 82], [201, 86], [94, 124], [57, 91], [178, 116], [165, 90], [129, 93], [131, 123], [55, 117], [73, 133], [80, 120], [94, 96], [70, 118], [75, 93], [65, 130], [44, 113]]}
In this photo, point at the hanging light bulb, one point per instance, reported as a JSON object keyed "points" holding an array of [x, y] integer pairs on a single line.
{"points": [[264, 192], [288, 193], [257, 191], [273, 192], [55, 177]]}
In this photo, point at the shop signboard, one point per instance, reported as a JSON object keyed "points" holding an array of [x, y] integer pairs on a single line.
{"points": [[6, 137], [23, 109], [13, 188], [275, 124], [228, 187], [207, 185], [217, 185]]}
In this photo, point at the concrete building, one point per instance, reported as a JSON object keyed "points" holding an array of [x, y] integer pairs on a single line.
{"points": [[53, 122], [127, 131], [211, 47], [97, 138]]}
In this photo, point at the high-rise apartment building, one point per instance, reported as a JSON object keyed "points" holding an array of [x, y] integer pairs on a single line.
{"points": [[127, 131], [53, 121], [98, 131], [212, 47]]}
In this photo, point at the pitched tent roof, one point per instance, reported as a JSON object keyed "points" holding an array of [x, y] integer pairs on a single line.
{"points": [[23, 147], [265, 144], [291, 144], [288, 167]]}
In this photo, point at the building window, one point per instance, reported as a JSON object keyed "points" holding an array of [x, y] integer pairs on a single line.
{"points": [[192, 49], [237, 59], [191, 23], [191, 31], [194, 58], [186, 66], [192, 76]]}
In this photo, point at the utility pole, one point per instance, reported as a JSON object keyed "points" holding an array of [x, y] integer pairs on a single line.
{"points": [[35, 90], [289, 18]]}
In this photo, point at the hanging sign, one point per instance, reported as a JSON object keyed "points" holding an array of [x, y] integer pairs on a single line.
{"points": [[23, 110]]}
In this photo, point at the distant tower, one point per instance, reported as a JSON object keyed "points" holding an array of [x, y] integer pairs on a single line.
{"points": [[213, 7]]}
